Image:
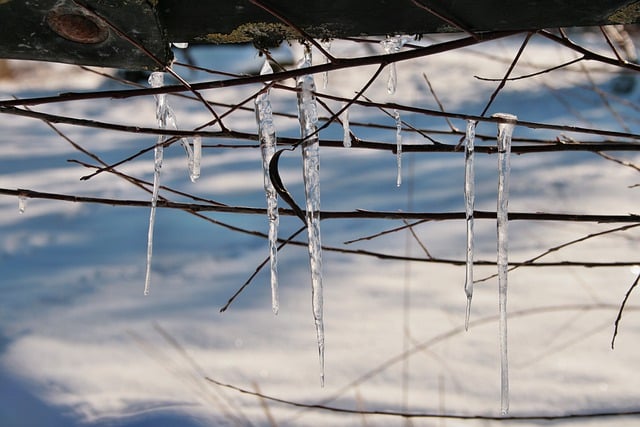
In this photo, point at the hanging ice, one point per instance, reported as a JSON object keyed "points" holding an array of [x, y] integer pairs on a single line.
{"points": [[325, 76], [22, 204], [267, 135], [346, 138], [164, 118], [505, 130], [308, 116], [396, 116], [469, 196], [194, 157], [393, 45]]}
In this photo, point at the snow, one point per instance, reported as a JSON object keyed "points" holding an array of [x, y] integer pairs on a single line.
{"points": [[81, 346]]}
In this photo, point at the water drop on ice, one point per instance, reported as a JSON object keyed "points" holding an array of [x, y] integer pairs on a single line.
{"points": [[505, 130], [268, 141]]}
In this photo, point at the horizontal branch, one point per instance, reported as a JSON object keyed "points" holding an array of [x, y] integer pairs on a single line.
{"points": [[412, 414], [375, 145], [356, 214], [338, 64]]}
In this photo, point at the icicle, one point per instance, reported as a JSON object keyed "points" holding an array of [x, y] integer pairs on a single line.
{"points": [[325, 76], [164, 117], [194, 156], [346, 138], [396, 116], [22, 204], [393, 45], [267, 134], [505, 130], [307, 114], [469, 196]]}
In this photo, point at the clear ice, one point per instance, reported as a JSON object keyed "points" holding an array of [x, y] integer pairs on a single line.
{"points": [[164, 118], [325, 76], [393, 45], [346, 138], [194, 157], [396, 116], [308, 116], [267, 135], [469, 197], [505, 130], [22, 204]]}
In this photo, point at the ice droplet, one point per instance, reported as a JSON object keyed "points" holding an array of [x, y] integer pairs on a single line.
{"points": [[22, 204], [307, 115], [505, 130], [268, 142], [180, 45]]}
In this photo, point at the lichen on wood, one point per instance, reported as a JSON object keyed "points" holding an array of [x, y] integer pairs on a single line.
{"points": [[262, 34], [626, 15]]}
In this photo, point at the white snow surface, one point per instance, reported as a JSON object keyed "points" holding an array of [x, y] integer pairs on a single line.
{"points": [[81, 345]]}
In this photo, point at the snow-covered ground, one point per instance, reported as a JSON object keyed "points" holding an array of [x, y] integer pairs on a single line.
{"points": [[81, 345]]}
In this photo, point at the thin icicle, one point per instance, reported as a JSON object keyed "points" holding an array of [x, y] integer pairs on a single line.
{"points": [[325, 76], [164, 117], [346, 138], [267, 134], [396, 116], [393, 45], [307, 115], [194, 157], [167, 120], [505, 130], [22, 204], [469, 197]]}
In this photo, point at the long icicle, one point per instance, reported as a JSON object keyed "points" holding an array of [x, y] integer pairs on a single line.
{"points": [[308, 116], [505, 130], [267, 135], [469, 200], [164, 116]]}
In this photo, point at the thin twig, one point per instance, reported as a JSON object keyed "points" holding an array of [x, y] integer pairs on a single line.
{"points": [[619, 316]]}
